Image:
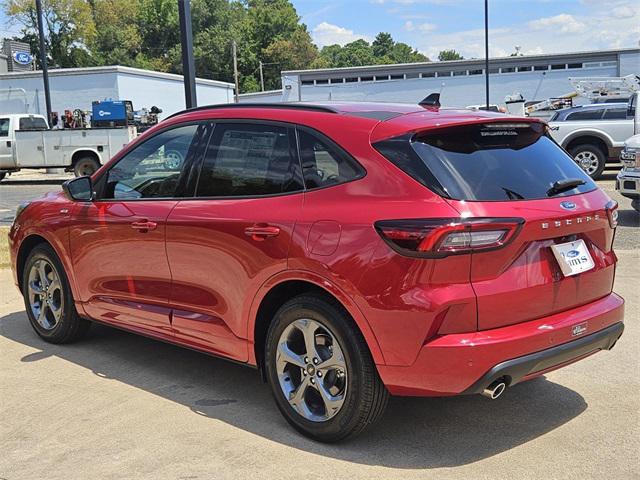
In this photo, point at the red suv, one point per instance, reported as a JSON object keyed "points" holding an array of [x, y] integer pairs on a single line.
{"points": [[347, 250]]}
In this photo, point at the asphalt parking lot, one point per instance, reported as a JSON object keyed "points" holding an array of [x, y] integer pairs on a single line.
{"points": [[117, 405]]}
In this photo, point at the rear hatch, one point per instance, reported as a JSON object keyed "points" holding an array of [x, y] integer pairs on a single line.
{"points": [[559, 254]]}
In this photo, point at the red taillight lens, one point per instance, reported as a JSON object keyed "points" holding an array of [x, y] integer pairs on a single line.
{"points": [[438, 237], [612, 213]]}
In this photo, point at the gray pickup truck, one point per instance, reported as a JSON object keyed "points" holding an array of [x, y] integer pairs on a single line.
{"points": [[592, 134]]}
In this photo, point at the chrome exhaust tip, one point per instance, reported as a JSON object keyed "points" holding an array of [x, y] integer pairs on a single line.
{"points": [[494, 390]]}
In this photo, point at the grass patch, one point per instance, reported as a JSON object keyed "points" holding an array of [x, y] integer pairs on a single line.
{"points": [[4, 248]]}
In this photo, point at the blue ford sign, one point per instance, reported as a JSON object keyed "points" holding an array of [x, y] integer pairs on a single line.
{"points": [[22, 58]]}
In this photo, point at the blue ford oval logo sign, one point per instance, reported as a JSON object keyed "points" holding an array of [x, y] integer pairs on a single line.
{"points": [[568, 205], [23, 58], [573, 253]]}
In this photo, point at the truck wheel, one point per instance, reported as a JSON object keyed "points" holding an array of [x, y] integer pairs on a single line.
{"points": [[320, 371], [590, 158], [85, 166], [173, 159]]}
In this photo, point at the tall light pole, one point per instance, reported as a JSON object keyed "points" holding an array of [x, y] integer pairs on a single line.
{"points": [[188, 62], [486, 50], [43, 61]]}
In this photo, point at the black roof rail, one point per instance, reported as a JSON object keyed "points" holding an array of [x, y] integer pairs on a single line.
{"points": [[286, 106]]}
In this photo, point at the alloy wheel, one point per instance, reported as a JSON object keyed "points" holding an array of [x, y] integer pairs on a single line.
{"points": [[46, 298], [588, 161], [311, 369]]}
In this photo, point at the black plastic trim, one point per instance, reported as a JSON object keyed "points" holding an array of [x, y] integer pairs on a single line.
{"points": [[518, 368], [279, 106]]}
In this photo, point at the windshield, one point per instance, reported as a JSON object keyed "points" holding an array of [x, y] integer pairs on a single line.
{"points": [[487, 162]]}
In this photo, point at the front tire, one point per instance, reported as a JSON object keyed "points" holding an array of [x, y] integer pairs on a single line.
{"points": [[48, 299], [320, 370], [590, 158]]}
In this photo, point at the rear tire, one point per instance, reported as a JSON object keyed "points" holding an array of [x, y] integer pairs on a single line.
{"points": [[590, 158], [338, 400], [48, 299], [85, 166]]}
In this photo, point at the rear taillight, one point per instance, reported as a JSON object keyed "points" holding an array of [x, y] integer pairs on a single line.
{"points": [[612, 212], [439, 237]]}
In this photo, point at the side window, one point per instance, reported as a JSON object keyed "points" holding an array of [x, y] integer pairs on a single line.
{"points": [[586, 114], [324, 164], [615, 113], [153, 169], [32, 123], [248, 160], [4, 127]]}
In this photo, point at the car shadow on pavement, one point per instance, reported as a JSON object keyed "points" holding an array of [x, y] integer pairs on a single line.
{"points": [[415, 433]]}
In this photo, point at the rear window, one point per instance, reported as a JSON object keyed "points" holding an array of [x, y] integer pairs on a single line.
{"points": [[588, 114], [486, 162]]}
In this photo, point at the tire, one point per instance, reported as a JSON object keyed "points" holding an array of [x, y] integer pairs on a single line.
{"points": [[590, 158], [357, 396], [2, 175], [61, 325], [85, 166], [173, 159]]}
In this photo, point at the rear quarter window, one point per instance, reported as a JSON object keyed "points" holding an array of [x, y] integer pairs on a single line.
{"points": [[487, 162]]}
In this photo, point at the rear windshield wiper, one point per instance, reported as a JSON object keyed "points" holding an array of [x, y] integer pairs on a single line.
{"points": [[564, 185]]}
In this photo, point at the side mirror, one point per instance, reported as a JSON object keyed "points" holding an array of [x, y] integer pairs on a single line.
{"points": [[79, 189]]}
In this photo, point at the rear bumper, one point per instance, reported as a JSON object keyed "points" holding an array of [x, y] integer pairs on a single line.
{"points": [[466, 363]]}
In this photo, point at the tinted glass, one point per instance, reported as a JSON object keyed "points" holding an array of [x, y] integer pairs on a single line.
{"points": [[4, 127], [153, 169], [615, 113], [32, 123], [486, 162], [323, 163], [249, 160], [587, 114]]}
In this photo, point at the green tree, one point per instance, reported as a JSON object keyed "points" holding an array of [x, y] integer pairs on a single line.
{"points": [[382, 45], [68, 24], [449, 55]]}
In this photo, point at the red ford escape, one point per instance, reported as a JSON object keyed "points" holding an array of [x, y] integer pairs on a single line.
{"points": [[347, 250]]}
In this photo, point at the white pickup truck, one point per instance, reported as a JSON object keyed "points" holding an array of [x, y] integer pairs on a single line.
{"points": [[27, 142]]}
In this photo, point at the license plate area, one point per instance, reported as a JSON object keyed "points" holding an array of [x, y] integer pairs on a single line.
{"points": [[573, 257]]}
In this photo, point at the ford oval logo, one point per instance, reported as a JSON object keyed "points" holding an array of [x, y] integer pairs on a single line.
{"points": [[573, 253], [22, 58], [568, 205]]}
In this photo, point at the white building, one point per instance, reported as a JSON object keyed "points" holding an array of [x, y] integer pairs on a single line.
{"points": [[71, 88], [460, 82]]}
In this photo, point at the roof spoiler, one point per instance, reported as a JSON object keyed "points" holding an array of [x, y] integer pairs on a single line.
{"points": [[432, 100]]}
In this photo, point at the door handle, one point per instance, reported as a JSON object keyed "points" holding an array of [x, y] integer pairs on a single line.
{"points": [[144, 226], [261, 232]]}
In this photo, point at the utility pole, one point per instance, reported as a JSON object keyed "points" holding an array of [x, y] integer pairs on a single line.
{"points": [[235, 69], [261, 77], [43, 61], [188, 62], [486, 50]]}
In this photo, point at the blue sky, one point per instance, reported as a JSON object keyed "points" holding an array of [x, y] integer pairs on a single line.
{"points": [[536, 26]]}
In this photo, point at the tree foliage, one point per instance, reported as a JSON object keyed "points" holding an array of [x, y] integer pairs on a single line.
{"points": [[146, 34], [449, 55]]}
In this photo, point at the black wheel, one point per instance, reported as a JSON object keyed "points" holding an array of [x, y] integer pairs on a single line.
{"points": [[48, 299], [320, 370], [85, 166], [173, 159], [591, 158]]}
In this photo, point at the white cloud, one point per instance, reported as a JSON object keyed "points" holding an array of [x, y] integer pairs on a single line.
{"points": [[623, 11], [563, 23], [328, 34], [410, 26]]}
